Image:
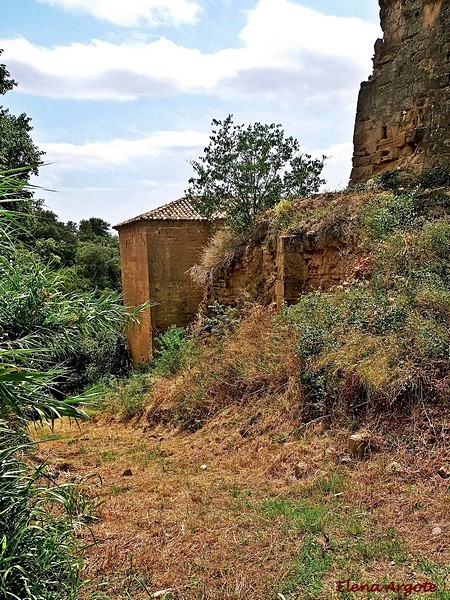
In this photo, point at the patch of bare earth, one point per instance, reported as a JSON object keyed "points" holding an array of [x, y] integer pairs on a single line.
{"points": [[188, 511]]}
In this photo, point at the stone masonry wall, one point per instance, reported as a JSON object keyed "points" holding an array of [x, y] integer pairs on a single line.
{"points": [[278, 272], [403, 114], [173, 247], [135, 284]]}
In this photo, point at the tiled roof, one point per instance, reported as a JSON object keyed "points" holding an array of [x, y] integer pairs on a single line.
{"points": [[178, 210]]}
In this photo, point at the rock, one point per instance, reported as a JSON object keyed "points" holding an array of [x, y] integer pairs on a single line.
{"points": [[359, 444], [127, 473], [394, 467], [64, 467], [444, 471], [436, 531], [162, 593]]}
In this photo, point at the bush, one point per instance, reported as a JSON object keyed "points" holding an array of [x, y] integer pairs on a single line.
{"points": [[82, 330], [125, 398], [174, 351], [389, 214], [434, 178], [312, 318], [218, 319]]}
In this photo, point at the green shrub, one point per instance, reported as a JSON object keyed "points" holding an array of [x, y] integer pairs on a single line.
{"points": [[174, 351], [125, 398], [390, 213], [389, 180], [434, 178], [312, 318], [219, 319]]}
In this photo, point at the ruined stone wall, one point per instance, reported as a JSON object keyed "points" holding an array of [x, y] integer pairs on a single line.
{"points": [[279, 271], [403, 114], [251, 277], [173, 247], [135, 284]]}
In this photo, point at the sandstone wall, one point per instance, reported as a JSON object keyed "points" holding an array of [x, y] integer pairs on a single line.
{"points": [[136, 289], [173, 247], [278, 271], [156, 256], [403, 114]]}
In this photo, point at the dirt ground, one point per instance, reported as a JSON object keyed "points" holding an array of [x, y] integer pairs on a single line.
{"points": [[252, 506]]}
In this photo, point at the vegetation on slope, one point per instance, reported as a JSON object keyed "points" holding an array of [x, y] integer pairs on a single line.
{"points": [[265, 403], [377, 341], [45, 335]]}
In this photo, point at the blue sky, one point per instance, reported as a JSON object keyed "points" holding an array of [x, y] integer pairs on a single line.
{"points": [[122, 92]]}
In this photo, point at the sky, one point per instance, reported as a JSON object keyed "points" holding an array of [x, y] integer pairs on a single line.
{"points": [[122, 92]]}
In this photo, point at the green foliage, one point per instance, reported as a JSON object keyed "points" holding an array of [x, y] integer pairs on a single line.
{"points": [[6, 82], [37, 548], [99, 265], [219, 319], [85, 331], [390, 213], [313, 318], [88, 253], [387, 338], [304, 515], [125, 398], [55, 242], [37, 545], [173, 352], [389, 180], [246, 170], [434, 178], [17, 150]]}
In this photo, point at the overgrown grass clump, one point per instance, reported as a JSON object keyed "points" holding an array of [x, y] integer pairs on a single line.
{"points": [[385, 339]]}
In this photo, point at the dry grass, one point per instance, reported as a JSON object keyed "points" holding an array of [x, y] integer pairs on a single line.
{"points": [[212, 514], [255, 361], [224, 248]]}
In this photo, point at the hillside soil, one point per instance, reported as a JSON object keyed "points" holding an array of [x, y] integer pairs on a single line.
{"points": [[255, 506]]}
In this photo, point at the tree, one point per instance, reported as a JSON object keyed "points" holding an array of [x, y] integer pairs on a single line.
{"points": [[246, 170], [17, 149], [90, 230], [6, 83]]}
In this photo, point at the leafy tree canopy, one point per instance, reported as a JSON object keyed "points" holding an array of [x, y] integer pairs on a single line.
{"points": [[246, 170], [18, 153], [6, 83]]}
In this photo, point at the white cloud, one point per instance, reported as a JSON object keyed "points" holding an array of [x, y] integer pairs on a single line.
{"points": [[291, 28], [337, 167], [119, 151], [282, 40], [131, 13]]}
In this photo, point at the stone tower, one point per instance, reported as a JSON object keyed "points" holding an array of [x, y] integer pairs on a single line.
{"points": [[403, 114]]}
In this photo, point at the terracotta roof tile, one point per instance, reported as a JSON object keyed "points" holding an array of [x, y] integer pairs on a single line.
{"points": [[178, 210]]}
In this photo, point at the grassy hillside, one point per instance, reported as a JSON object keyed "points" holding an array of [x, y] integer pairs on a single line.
{"points": [[226, 466]]}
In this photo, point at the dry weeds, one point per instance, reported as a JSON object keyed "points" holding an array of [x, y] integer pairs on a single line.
{"points": [[190, 516]]}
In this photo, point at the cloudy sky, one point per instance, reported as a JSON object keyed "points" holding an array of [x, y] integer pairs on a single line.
{"points": [[122, 92]]}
